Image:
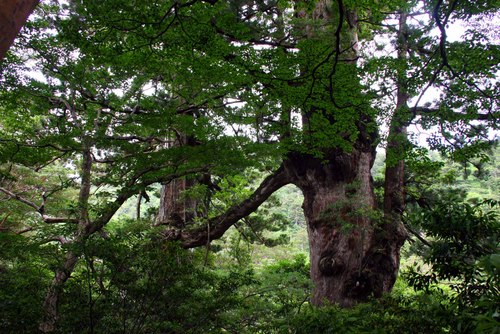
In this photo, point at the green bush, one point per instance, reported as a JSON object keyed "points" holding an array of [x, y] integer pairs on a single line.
{"points": [[463, 255]]}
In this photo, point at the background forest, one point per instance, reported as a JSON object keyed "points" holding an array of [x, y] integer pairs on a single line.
{"points": [[251, 166]]}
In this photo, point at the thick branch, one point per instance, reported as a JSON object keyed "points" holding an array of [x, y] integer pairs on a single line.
{"points": [[20, 199], [220, 224], [58, 220], [60, 239], [129, 190]]}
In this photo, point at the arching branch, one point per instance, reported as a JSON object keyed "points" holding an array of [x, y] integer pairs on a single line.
{"points": [[220, 224], [40, 209]]}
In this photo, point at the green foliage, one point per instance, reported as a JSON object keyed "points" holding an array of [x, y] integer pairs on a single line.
{"points": [[185, 89], [398, 314], [134, 282], [131, 283], [24, 276], [462, 254], [147, 287]]}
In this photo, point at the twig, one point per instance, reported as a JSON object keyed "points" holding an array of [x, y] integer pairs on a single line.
{"points": [[419, 237]]}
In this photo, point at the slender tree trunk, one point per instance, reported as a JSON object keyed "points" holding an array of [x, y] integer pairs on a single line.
{"points": [[397, 141], [138, 207], [394, 190], [51, 303], [13, 15]]}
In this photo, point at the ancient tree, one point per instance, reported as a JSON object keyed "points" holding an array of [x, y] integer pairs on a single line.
{"points": [[191, 94]]}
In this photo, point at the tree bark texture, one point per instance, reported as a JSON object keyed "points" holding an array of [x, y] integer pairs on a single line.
{"points": [[339, 206], [13, 15], [51, 302], [397, 140], [176, 208], [394, 186], [354, 254], [337, 196]]}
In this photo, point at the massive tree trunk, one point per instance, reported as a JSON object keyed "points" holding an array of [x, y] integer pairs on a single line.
{"points": [[338, 200], [353, 255], [354, 252], [13, 15]]}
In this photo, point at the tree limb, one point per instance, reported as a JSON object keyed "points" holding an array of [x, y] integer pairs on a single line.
{"points": [[419, 237], [60, 239], [58, 220], [480, 117], [39, 209], [220, 224], [20, 199]]}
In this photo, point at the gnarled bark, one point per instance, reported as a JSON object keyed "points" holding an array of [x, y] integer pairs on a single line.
{"points": [[354, 254], [338, 205]]}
